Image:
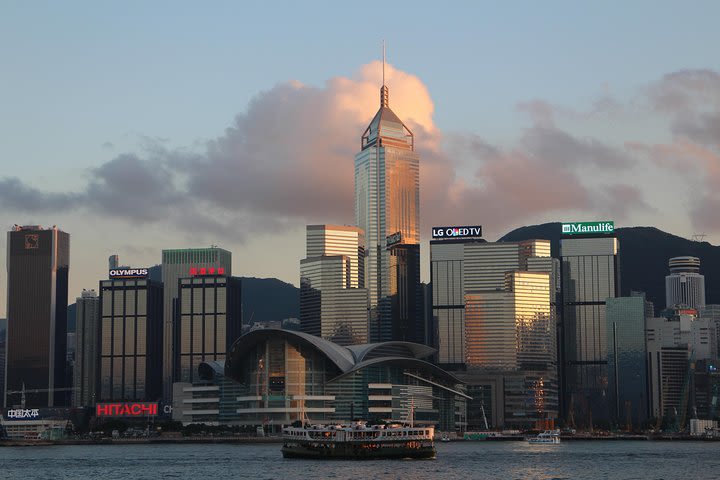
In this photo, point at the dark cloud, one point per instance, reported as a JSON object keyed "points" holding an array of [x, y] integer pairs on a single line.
{"points": [[14, 194], [560, 148]]}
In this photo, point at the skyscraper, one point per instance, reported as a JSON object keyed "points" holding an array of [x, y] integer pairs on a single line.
{"points": [[333, 302], [131, 335], [210, 319], [87, 353], [3, 340], [37, 264], [387, 204], [627, 370], [590, 275], [175, 265], [685, 286]]}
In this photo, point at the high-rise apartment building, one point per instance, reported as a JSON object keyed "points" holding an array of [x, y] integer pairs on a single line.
{"points": [[87, 352], [590, 275], [210, 319], [177, 264], [685, 286], [37, 264], [131, 333], [387, 204], [333, 303]]}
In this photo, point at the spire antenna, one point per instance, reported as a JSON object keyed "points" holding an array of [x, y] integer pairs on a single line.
{"points": [[383, 71], [384, 94]]}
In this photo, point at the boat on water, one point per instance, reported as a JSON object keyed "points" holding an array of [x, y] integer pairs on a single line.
{"points": [[549, 437], [358, 441]]}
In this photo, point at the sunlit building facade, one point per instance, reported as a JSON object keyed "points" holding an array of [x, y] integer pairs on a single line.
{"points": [[512, 332], [387, 204], [333, 302], [131, 340]]}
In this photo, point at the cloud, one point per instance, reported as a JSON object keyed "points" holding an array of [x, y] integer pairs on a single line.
{"points": [[287, 160]]}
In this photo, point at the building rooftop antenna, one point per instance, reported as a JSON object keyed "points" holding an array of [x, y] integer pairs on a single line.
{"points": [[383, 70]]}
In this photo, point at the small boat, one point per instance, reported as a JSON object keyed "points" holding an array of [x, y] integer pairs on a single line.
{"points": [[358, 441], [444, 438], [548, 437]]}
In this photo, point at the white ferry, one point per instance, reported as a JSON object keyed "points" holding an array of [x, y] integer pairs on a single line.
{"points": [[358, 441], [549, 437]]}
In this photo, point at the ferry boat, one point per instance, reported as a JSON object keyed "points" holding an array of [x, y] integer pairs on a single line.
{"points": [[550, 437], [358, 441]]}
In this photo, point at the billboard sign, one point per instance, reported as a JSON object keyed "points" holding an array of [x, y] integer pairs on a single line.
{"points": [[457, 232], [586, 228], [128, 273], [207, 271], [23, 414], [393, 239], [126, 409]]}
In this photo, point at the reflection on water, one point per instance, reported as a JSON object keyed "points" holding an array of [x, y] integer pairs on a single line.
{"points": [[456, 460]]}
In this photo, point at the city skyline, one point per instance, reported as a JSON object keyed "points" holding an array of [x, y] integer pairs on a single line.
{"points": [[120, 182]]}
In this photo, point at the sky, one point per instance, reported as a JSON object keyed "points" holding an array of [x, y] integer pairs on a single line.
{"points": [[137, 126]]}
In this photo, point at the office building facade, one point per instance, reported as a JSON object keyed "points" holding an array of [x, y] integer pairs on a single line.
{"points": [[3, 343], [333, 302], [627, 369], [37, 264], [87, 353], [210, 319], [511, 332], [590, 275], [176, 264], [685, 286], [387, 204], [131, 345]]}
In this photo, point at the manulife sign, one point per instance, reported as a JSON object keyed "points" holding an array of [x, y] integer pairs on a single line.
{"points": [[580, 228]]}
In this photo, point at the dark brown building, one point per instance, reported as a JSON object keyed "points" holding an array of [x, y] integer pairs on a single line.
{"points": [[37, 266]]}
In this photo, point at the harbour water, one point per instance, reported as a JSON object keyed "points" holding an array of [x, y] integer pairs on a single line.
{"points": [[455, 460]]}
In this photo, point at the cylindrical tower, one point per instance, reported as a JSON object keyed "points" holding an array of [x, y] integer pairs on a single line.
{"points": [[685, 286]]}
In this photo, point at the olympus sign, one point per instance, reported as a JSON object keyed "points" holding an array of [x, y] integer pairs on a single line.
{"points": [[580, 228], [128, 273], [457, 232]]}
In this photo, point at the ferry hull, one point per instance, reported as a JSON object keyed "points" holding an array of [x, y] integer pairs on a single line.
{"points": [[355, 452]]}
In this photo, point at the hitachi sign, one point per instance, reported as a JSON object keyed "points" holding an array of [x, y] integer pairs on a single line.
{"points": [[457, 232], [580, 228]]}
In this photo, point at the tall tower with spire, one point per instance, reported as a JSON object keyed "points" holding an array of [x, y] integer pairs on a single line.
{"points": [[387, 208]]}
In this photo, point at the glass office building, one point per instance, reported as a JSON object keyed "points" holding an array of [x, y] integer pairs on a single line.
{"points": [[87, 329], [590, 275], [333, 302], [176, 264], [210, 319], [627, 371], [37, 293], [387, 203], [131, 340]]}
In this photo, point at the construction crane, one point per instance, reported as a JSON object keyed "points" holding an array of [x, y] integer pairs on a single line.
{"points": [[36, 390]]}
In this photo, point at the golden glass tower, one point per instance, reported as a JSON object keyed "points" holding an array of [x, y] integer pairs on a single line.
{"points": [[387, 204]]}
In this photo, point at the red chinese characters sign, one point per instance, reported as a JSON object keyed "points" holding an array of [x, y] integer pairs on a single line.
{"points": [[207, 271], [126, 409]]}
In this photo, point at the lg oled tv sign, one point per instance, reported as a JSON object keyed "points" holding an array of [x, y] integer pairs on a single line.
{"points": [[126, 409], [585, 228], [128, 273], [457, 232]]}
